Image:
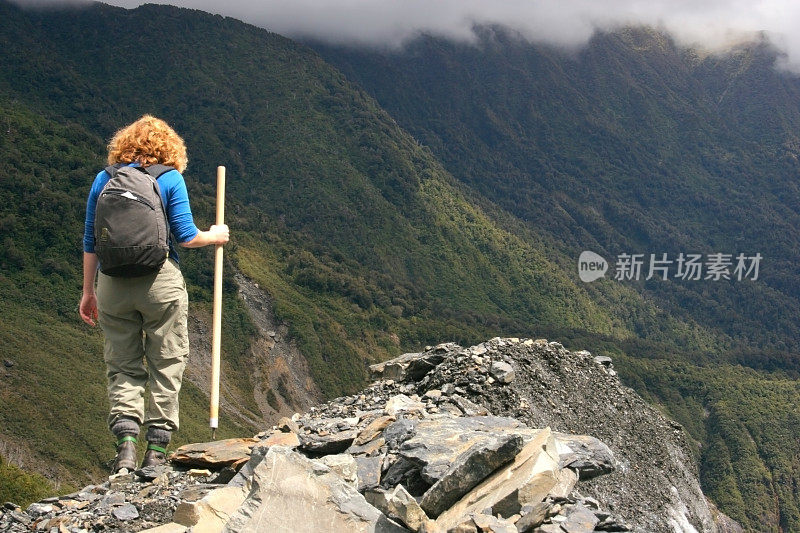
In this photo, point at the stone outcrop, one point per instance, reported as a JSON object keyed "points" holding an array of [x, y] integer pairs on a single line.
{"points": [[500, 437], [216, 454], [573, 392], [289, 492]]}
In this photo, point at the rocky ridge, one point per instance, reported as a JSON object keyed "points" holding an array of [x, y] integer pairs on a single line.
{"points": [[507, 436]]}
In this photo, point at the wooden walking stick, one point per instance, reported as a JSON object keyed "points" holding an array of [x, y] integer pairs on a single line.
{"points": [[217, 327]]}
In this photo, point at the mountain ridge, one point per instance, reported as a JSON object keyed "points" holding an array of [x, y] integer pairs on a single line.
{"points": [[437, 438]]}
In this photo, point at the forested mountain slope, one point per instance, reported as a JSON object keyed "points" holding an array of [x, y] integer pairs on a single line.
{"points": [[630, 145], [634, 145]]}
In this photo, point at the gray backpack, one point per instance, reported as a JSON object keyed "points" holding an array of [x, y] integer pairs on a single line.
{"points": [[131, 229]]}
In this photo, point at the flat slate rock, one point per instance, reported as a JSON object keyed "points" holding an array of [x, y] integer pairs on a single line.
{"points": [[579, 520], [288, 439], [587, 455], [369, 472], [438, 441], [125, 512], [328, 444], [373, 430], [215, 454], [398, 504], [411, 366], [469, 469], [150, 473], [535, 466], [398, 432], [309, 497]]}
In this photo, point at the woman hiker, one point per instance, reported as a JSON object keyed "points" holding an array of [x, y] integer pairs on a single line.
{"points": [[143, 317]]}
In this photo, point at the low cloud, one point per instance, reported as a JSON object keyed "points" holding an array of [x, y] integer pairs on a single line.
{"points": [[711, 24]]}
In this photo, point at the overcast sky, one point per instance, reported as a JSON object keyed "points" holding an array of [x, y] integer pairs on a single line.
{"points": [[711, 23]]}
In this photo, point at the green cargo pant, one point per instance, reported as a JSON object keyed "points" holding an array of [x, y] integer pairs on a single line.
{"points": [[144, 319]]}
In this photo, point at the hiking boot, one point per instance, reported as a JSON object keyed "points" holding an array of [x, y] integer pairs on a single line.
{"points": [[154, 456], [126, 455]]}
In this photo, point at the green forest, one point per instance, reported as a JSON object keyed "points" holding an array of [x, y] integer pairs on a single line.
{"points": [[384, 209]]}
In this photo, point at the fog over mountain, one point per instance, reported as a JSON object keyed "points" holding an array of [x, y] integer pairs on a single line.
{"points": [[712, 24]]}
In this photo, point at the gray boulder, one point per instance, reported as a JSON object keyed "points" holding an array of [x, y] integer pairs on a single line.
{"points": [[411, 366], [438, 441], [468, 469], [310, 497], [579, 520], [502, 372], [400, 505], [588, 456], [327, 444]]}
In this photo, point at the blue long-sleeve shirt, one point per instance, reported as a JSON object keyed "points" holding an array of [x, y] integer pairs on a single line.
{"points": [[176, 201]]}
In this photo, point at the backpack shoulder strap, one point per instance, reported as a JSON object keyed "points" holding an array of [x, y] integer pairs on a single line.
{"points": [[113, 169], [157, 170], [154, 170]]}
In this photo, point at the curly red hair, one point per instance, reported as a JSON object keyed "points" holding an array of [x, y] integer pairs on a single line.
{"points": [[148, 141]]}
